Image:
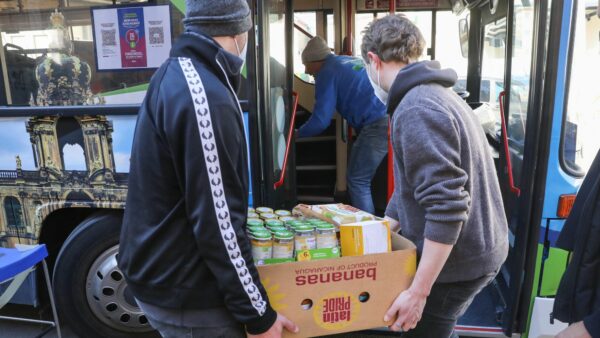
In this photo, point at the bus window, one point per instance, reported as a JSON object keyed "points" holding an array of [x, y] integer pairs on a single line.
{"points": [[307, 20], [361, 21], [522, 49], [423, 20], [580, 132], [305, 27], [447, 44], [492, 71], [38, 43], [277, 81], [330, 25]]}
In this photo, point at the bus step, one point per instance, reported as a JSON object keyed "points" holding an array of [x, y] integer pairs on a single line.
{"points": [[315, 167], [315, 139]]}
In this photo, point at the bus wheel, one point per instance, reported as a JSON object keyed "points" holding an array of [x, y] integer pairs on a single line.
{"points": [[90, 291]]}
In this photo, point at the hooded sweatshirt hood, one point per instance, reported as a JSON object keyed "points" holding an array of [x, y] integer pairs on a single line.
{"points": [[196, 44], [416, 74]]}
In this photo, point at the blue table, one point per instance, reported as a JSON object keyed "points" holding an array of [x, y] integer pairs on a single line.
{"points": [[15, 265], [14, 261]]}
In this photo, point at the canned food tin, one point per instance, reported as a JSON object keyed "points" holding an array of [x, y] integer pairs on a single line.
{"points": [[254, 221], [255, 228], [283, 244], [287, 219], [274, 222], [305, 237], [282, 213], [267, 216], [262, 245], [264, 210], [276, 228], [326, 236]]}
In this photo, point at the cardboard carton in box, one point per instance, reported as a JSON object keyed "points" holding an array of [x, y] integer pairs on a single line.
{"points": [[334, 213], [364, 238], [340, 295]]}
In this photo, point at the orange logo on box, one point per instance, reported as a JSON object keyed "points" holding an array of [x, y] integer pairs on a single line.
{"points": [[336, 310]]}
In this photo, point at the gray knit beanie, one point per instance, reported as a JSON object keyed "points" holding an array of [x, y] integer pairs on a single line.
{"points": [[218, 17], [316, 50]]}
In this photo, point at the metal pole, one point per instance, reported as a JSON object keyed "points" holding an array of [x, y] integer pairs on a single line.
{"points": [[390, 158], [51, 295], [349, 28]]}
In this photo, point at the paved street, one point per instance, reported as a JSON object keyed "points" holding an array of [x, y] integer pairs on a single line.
{"points": [[10, 329]]}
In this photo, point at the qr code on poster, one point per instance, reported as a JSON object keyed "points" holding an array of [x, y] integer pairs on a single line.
{"points": [[157, 35], [108, 37]]}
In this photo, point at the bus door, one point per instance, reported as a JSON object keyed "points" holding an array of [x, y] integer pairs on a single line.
{"points": [[272, 154], [572, 103], [321, 160], [506, 47], [520, 56]]}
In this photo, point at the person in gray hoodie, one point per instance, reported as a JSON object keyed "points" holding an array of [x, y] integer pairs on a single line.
{"points": [[447, 198]]}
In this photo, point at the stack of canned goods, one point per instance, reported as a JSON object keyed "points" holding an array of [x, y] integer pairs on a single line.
{"points": [[277, 234]]}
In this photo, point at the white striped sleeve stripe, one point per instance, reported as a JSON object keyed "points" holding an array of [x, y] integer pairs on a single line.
{"points": [[211, 158]]}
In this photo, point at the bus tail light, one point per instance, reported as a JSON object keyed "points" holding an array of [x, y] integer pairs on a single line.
{"points": [[565, 204]]}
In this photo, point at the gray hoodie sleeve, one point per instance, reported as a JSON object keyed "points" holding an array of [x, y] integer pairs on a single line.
{"points": [[429, 144], [392, 208]]}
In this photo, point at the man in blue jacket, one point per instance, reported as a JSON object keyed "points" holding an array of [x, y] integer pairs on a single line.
{"points": [[183, 248], [342, 84]]}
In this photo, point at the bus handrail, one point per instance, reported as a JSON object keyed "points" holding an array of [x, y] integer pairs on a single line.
{"points": [[288, 144], [511, 180], [303, 31]]}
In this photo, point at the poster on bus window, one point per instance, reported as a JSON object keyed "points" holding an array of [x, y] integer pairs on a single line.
{"points": [[131, 37], [370, 5]]}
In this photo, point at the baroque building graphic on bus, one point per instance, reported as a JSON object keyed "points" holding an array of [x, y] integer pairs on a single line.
{"points": [[28, 196], [69, 161]]}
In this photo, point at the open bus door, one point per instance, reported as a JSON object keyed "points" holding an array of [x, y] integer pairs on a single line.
{"points": [[271, 114], [507, 67], [538, 143]]}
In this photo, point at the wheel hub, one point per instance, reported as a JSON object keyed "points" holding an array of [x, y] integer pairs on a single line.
{"points": [[109, 297]]}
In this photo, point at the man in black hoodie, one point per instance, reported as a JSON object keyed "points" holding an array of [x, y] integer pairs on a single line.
{"points": [[447, 198], [578, 296], [183, 248]]}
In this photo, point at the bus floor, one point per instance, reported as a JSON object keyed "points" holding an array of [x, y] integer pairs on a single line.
{"points": [[483, 311]]}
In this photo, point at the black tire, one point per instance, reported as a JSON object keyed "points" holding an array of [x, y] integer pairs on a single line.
{"points": [[93, 238]]}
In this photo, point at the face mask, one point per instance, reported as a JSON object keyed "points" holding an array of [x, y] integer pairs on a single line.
{"points": [[242, 53], [381, 94]]}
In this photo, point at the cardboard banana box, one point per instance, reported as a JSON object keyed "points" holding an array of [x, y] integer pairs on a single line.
{"points": [[340, 295]]}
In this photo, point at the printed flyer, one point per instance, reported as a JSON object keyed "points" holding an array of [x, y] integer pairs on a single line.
{"points": [[131, 37]]}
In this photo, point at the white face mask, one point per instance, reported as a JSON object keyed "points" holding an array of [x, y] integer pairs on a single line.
{"points": [[381, 94], [242, 53]]}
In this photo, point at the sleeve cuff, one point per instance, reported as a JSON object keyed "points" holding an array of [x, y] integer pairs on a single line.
{"points": [[445, 233], [263, 323]]}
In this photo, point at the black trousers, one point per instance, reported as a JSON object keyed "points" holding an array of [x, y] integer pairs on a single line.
{"points": [[446, 303]]}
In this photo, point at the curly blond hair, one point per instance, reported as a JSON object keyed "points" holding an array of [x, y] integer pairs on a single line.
{"points": [[393, 38]]}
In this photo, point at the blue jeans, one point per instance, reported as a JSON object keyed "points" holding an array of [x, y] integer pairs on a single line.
{"points": [[368, 151]]}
